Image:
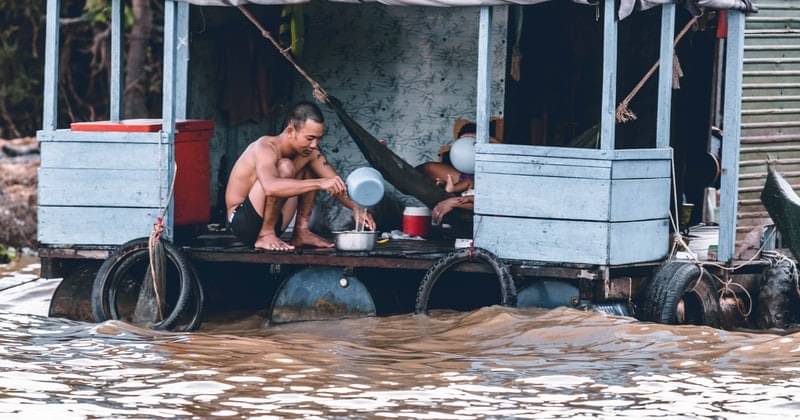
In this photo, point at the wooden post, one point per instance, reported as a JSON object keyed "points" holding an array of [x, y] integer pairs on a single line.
{"points": [[665, 76], [50, 111], [732, 130], [182, 65], [116, 86], [170, 68], [484, 97], [608, 113], [169, 100]]}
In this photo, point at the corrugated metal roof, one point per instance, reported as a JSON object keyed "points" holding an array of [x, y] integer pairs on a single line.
{"points": [[770, 105]]}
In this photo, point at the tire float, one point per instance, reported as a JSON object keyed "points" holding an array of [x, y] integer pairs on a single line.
{"points": [[119, 280], [678, 294], [508, 291]]}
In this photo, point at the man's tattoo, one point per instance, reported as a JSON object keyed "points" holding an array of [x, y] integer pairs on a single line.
{"points": [[324, 161]]}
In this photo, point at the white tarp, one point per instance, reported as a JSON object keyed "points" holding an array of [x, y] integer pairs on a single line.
{"points": [[439, 3], [625, 9]]}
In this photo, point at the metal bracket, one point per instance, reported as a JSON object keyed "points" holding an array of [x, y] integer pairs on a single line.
{"points": [[275, 270]]}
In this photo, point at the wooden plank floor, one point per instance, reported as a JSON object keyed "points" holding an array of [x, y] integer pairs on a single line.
{"points": [[396, 254], [400, 254]]}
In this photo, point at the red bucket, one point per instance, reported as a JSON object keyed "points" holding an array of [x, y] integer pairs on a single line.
{"points": [[416, 221]]}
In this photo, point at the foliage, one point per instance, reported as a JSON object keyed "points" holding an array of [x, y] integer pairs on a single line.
{"points": [[84, 63], [99, 11], [7, 254], [20, 66]]}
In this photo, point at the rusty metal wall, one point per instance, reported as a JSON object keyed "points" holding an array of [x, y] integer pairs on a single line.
{"points": [[770, 105]]}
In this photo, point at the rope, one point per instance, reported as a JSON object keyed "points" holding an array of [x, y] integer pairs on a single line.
{"points": [[727, 285], [155, 238], [624, 114], [319, 93], [776, 258]]}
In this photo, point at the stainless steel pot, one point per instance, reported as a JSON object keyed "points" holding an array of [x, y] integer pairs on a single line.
{"points": [[352, 240]]}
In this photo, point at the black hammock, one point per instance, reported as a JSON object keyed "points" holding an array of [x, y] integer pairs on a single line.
{"points": [[395, 170]]}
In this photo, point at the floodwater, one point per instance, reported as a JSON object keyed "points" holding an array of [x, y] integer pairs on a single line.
{"points": [[493, 362]]}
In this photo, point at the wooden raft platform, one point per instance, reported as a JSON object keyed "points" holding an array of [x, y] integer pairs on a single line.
{"points": [[395, 254]]}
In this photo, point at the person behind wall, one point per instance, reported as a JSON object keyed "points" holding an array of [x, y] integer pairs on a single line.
{"points": [[279, 176], [452, 180]]}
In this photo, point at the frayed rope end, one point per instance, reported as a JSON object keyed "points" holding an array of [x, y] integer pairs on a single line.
{"points": [[624, 114]]}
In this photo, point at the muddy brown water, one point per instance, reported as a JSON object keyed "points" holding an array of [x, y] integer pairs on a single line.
{"points": [[493, 362]]}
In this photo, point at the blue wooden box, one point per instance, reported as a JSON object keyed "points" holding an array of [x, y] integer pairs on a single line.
{"points": [[569, 205], [101, 188]]}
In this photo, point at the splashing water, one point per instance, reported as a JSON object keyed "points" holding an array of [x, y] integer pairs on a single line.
{"points": [[494, 362]]}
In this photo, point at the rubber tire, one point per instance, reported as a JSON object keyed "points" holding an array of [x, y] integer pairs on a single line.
{"points": [[195, 303], [669, 285], [197, 310], [130, 251], [645, 309], [508, 290]]}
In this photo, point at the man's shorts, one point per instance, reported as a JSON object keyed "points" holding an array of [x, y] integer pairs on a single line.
{"points": [[245, 223]]}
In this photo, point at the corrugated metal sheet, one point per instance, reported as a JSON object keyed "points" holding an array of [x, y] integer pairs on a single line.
{"points": [[770, 105]]}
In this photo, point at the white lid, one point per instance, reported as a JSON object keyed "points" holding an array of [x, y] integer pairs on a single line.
{"points": [[417, 211]]}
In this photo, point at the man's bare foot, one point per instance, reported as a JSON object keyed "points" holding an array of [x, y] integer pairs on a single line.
{"points": [[272, 243], [306, 238]]}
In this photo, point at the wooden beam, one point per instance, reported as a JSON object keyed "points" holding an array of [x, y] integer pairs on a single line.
{"points": [[608, 111], [116, 87], [665, 76], [50, 111], [732, 130], [484, 97], [169, 101], [182, 64], [170, 66]]}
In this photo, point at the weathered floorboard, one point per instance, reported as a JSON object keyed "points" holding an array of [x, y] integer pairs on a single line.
{"points": [[542, 197], [580, 242], [550, 197], [76, 155], [638, 241], [97, 137], [639, 199], [99, 187], [542, 239], [572, 152], [93, 225], [541, 169]]}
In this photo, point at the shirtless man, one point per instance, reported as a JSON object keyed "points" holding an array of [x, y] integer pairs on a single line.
{"points": [[278, 176]]}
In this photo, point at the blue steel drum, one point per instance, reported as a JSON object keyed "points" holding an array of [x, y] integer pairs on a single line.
{"points": [[321, 293], [548, 294], [365, 186]]}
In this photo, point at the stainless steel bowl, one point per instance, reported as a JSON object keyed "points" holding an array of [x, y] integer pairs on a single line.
{"points": [[352, 240]]}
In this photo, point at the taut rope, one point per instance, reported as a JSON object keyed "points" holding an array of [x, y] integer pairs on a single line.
{"points": [[154, 246], [624, 114], [319, 93]]}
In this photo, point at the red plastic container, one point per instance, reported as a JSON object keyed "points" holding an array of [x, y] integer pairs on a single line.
{"points": [[416, 221], [192, 182]]}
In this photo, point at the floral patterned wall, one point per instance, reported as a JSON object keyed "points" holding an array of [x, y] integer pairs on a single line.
{"points": [[404, 73]]}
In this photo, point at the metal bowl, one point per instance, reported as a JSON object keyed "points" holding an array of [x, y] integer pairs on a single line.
{"points": [[352, 240]]}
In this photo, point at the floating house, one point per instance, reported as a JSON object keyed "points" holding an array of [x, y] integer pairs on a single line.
{"points": [[557, 223]]}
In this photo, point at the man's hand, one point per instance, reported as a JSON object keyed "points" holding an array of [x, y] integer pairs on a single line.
{"points": [[333, 186], [363, 218], [444, 207]]}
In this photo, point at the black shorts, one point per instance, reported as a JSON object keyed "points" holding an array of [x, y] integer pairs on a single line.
{"points": [[245, 223]]}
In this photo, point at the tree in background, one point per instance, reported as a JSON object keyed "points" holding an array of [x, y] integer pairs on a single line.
{"points": [[136, 86], [84, 62], [21, 67]]}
